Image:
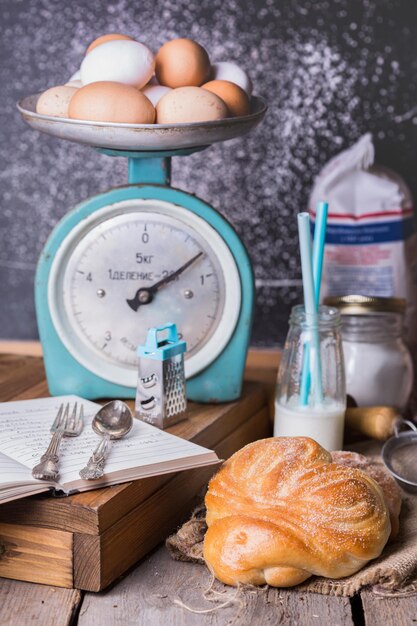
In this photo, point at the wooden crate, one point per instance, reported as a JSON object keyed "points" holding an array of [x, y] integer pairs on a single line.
{"points": [[88, 540]]}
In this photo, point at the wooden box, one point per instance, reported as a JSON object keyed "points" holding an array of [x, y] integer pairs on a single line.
{"points": [[88, 540]]}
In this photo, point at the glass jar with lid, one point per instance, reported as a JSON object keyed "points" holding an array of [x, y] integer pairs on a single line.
{"points": [[378, 365]]}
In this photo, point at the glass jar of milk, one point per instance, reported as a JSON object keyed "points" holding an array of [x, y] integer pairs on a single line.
{"points": [[378, 365], [321, 418]]}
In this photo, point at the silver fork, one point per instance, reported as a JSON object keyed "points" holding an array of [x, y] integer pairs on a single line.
{"points": [[64, 425]]}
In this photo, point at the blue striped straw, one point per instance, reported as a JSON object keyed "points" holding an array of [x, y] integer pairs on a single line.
{"points": [[310, 305], [318, 247], [318, 255]]}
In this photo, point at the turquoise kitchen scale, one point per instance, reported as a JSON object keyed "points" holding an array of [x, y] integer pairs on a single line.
{"points": [[140, 256]]}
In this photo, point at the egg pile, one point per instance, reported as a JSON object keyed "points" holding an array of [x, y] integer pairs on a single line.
{"points": [[120, 80]]}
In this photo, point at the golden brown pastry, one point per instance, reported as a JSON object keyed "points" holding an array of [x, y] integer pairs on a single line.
{"points": [[279, 511], [390, 489]]}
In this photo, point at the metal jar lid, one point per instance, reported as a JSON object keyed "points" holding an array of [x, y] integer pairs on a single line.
{"points": [[364, 305]]}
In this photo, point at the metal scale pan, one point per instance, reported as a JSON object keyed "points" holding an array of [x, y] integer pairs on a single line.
{"points": [[142, 137]]}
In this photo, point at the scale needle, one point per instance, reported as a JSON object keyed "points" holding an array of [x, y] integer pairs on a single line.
{"points": [[145, 295]]}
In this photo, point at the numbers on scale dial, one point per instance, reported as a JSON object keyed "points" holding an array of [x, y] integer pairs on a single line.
{"points": [[124, 261]]}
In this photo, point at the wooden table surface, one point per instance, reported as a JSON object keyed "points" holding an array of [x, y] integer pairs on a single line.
{"points": [[152, 594]]}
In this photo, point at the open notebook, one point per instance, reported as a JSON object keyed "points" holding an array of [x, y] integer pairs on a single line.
{"points": [[24, 437]]}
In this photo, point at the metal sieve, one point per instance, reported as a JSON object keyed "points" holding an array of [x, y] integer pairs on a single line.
{"points": [[399, 454]]}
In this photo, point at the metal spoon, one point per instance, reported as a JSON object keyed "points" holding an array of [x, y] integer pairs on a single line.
{"points": [[114, 420]]}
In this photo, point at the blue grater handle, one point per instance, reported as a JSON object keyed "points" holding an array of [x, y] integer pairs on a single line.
{"points": [[162, 349], [152, 342]]}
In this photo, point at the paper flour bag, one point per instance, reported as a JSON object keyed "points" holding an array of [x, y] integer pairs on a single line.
{"points": [[371, 245]]}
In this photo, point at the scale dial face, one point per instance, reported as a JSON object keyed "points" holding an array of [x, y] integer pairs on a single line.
{"points": [[138, 264]]}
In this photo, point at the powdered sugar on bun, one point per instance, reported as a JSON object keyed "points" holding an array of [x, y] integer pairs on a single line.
{"points": [[280, 510], [390, 489]]}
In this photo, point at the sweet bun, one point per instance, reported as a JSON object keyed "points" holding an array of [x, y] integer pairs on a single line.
{"points": [[279, 511], [390, 489]]}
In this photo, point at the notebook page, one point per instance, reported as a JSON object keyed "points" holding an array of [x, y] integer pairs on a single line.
{"points": [[144, 446], [25, 424], [13, 472], [24, 436]]}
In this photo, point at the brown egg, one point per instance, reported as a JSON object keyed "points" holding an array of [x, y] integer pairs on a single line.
{"points": [[55, 101], [106, 101], [105, 39], [189, 104], [235, 98], [182, 63]]}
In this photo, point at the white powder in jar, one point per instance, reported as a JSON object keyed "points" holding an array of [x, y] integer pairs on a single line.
{"points": [[378, 373], [378, 364]]}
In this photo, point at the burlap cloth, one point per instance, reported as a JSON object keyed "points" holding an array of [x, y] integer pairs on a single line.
{"points": [[393, 573]]}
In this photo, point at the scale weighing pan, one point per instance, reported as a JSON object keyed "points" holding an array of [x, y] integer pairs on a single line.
{"points": [[400, 455], [142, 137]]}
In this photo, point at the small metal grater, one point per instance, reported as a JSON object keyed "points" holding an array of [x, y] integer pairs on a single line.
{"points": [[160, 394]]}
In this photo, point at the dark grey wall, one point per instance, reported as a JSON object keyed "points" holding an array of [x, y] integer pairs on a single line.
{"points": [[330, 70]]}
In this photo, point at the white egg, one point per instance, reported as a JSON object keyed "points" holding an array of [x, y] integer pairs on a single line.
{"points": [[74, 80], [155, 92], [75, 76], [225, 70], [120, 61], [74, 83]]}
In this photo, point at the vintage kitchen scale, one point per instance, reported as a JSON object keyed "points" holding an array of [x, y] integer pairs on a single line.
{"points": [[139, 256]]}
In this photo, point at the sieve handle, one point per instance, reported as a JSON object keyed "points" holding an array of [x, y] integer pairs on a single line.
{"points": [[398, 428], [378, 422]]}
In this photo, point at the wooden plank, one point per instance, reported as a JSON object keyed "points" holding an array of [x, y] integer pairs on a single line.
{"points": [[125, 542], [212, 422], [40, 390], [10, 366], [312, 609], [22, 604], [27, 373], [28, 348], [45, 554], [389, 611], [262, 365], [257, 359], [260, 358], [50, 512], [263, 358], [147, 596], [93, 512], [9, 362], [98, 561]]}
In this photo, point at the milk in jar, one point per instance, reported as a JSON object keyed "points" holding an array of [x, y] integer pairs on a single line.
{"points": [[321, 418]]}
